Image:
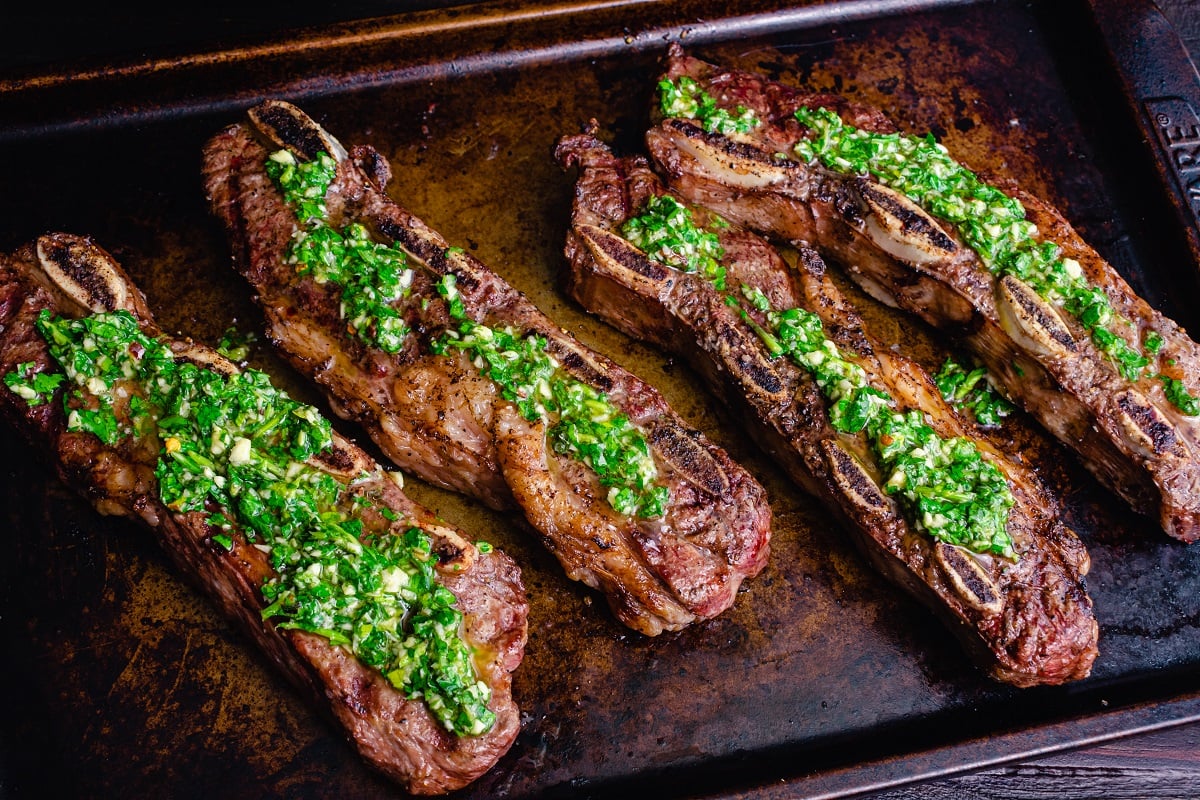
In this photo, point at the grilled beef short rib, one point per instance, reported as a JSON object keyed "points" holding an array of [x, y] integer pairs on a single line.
{"points": [[437, 416], [1127, 433], [1027, 621], [72, 276]]}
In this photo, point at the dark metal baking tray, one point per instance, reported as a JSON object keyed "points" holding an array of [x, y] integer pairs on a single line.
{"points": [[118, 679]]}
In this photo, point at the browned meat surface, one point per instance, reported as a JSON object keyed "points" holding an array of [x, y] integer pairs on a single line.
{"points": [[1127, 433], [71, 276], [1027, 621], [436, 416]]}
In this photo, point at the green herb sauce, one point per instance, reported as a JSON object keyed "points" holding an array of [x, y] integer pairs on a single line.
{"points": [[371, 275], [972, 391], [583, 423], [1153, 343], [236, 345], [1179, 396], [664, 232], [989, 221], [686, 99], [34, 387], [945, 486], [236, 447]]}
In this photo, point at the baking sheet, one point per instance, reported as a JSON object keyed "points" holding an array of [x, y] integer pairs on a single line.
{"points": [[821, 680]]}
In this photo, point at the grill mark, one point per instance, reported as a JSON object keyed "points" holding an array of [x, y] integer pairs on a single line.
{"points": [[761, 373], [745, 357], [397, 232], [336, 458], [432, 254], [579, 366]]}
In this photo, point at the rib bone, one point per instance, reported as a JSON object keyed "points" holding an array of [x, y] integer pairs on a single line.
{"points": [[203, 357], [84, 272], [289, 127], [625, 263], [685, 455], [853, 481], [1145, 428], [969, 579], [902, 228], [735, 165], [1030, 320]]}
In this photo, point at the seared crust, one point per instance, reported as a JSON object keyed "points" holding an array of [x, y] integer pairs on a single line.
{"points": [[436, 416], [396, 735], [1128, 434], [1028, 622]]}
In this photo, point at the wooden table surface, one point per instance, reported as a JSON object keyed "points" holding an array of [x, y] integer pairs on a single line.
{"points": [[1158, 766], [1164, 765]]}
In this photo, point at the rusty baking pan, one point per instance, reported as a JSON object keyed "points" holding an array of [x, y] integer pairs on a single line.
{"points": [[119, 680]]}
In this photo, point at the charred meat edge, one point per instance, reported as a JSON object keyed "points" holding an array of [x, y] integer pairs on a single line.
{"points": [[438, 417], [1127, 434], [72, 276], [1026, 623]]}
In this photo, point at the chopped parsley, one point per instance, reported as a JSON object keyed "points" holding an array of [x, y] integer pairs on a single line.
{"points": [[235, 345], [1179, 396], [1153, 342], [33, 387], [238, 449], [686, 99], [372, 276], [973, 391], [989, 221], [945, 486], [666, 232], [583, 423]]}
